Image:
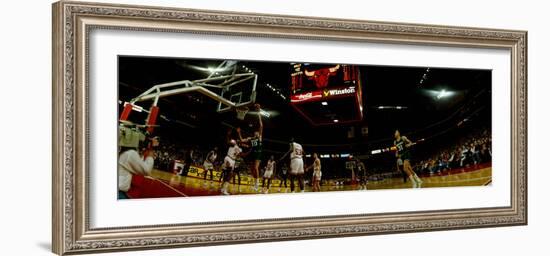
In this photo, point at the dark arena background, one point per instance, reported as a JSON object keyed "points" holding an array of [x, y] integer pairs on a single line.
{"points": [[345, 114]]}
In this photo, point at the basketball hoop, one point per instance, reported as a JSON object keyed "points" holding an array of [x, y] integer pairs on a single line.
{"points": [[241, 112]]}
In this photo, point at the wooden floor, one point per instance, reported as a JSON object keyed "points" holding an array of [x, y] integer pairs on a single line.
{"points": [[479, 177], [164, 184]]}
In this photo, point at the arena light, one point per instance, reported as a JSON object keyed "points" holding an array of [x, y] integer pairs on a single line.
{"points": [[264, 113], [439, 94], [443, 94], [335, 120], [214, 70], [377, 151], [424, 77], [392, 107], [277, 91], [197, 68], [324, 103]]}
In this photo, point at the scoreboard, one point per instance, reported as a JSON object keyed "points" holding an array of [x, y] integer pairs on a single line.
{"points": [[326, 94]]}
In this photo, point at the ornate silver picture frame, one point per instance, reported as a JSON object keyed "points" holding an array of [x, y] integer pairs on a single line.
{"points": [[74, 21]]}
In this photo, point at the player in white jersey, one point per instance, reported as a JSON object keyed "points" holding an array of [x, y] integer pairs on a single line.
{"points": [[209, 163], [296, 165], [316, 173], [229, 165], [268, 174]]}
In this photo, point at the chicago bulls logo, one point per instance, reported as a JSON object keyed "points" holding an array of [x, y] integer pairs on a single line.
{"points": [[321, 76]]}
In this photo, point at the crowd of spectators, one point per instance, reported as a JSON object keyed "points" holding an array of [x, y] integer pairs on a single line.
{"points": [[467, 152], [168, 152]]}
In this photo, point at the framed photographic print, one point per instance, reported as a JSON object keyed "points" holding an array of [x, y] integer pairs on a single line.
{"points": [[178, 127]]}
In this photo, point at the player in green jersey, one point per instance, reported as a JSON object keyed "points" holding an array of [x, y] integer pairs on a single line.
{"points": [[256, 147], [403, 152]]}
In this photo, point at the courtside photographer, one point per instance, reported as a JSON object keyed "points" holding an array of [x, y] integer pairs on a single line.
{"points": [[136, 158]]}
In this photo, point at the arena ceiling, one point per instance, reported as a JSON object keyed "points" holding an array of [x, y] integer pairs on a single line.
{"points": [[417, 100]]}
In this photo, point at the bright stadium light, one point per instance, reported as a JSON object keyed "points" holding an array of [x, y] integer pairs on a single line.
{"points": [[215, 70], [335, 120], [264, 113], [324, 103], [443, 94], [392, 107], [440, 94]]}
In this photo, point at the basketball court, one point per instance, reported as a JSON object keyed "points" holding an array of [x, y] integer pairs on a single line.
{"points": [[346, 114], [172, 185]]}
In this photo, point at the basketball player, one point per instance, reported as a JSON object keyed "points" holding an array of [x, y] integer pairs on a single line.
{"points": [[402, 145], [239, 165], [209, 163], [268, 174], [316, 173], [230, 136], [256, 147], [229, 165], [400, 169], [362, 171], [283, 176], [296, 165]]}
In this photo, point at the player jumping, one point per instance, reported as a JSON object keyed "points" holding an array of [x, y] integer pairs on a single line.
{"points": [[256, 147], [402, 145]]}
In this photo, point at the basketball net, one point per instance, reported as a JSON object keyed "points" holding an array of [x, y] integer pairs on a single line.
{"points": [[241, 113]]}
